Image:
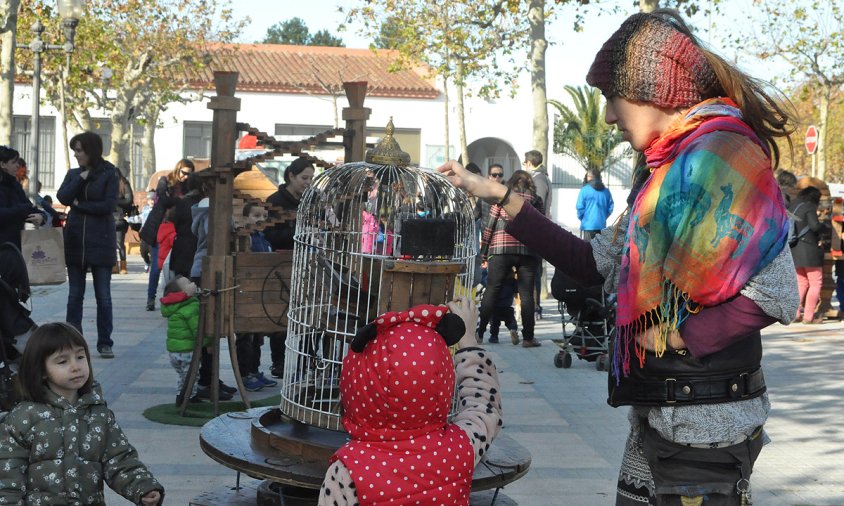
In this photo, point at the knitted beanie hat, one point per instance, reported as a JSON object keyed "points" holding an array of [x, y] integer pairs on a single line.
{"points": [[649, 60]]}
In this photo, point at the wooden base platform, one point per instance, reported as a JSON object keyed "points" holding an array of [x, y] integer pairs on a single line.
{"points": [[264, 444]]}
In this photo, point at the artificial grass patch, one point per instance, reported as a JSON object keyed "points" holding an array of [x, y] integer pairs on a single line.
{"points": [[197, 414]]}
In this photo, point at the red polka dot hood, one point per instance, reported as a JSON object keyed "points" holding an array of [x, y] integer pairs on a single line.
{"points": [[401, 384], [396, 394]]}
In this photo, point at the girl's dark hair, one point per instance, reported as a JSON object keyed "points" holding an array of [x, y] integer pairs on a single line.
{"points": [[91, 144], [810, 194], [8, 154], [596, 181], [296, 167], [46, 340], [522, 181], [763, 107]]}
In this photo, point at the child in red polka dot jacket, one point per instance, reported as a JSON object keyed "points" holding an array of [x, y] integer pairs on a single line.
{"points": [[396, 389]]}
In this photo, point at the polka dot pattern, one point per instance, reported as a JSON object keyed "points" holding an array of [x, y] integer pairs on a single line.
{"points": [[396, 395]]}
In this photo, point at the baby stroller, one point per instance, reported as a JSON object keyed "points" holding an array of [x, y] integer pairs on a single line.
{"points": [[591, 315], [15, 323]]}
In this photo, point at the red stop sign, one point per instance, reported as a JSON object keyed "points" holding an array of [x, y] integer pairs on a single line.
{"points": [[811, 139]]}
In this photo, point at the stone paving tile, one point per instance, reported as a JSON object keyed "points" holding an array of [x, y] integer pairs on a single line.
{"points": [[561, 415]]}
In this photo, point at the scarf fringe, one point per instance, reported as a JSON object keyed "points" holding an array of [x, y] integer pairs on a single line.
{"points": [[666, 318]]}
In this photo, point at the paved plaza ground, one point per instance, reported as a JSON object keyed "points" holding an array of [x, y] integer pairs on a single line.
{"points": [[559, 415]]}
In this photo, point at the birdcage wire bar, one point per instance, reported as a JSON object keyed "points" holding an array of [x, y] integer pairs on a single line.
{"points": [[357, 253]]}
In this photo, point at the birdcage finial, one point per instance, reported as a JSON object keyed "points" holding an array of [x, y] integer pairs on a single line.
{"points": [[388, 151]]}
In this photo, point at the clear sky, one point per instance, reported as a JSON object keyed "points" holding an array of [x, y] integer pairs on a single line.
{"points": [[568, 58]]}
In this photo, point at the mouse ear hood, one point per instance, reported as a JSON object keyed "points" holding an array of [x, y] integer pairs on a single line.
{"points": [[362, 336], [452, 328]]}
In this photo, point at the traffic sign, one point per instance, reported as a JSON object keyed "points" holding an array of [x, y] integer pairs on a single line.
{"points": [[811, 141]]}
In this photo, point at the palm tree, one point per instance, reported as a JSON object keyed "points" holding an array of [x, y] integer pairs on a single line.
{"points": [[582, 133]]}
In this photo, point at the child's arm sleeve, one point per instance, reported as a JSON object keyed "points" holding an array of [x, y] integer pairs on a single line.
{"points": [[123, 470], [479, 400], [338, 488], [14, 462]]}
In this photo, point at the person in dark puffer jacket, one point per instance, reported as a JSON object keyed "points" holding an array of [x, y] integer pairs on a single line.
{"points": [[15, 208], [89, 235]]}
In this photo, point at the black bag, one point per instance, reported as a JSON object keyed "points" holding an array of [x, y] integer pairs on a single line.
{"points": [[794, 234], [149, 232]]}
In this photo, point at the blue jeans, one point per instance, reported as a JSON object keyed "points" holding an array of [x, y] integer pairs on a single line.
{"points": [[102, 291], [154, 273]]}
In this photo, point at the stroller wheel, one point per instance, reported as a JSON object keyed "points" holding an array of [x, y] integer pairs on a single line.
{"points": [[601, 363], [562, 360]]}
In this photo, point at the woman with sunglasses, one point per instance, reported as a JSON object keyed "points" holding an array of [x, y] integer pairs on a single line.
{"points": [[168, 192]]}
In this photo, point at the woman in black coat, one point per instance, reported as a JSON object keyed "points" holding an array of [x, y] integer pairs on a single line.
{"points": [[89, 235], [15, 208], [807, 253]]}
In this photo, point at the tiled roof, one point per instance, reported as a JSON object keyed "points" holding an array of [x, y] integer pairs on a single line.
{"points": [[310, 69]]}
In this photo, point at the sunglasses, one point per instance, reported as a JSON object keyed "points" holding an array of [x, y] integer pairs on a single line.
{"points": [[497, 174]]}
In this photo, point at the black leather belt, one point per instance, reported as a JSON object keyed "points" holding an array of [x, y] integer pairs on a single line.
{"points": [[721, 388]]}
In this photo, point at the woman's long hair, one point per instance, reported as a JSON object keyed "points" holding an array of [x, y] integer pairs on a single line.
{"points": [[173, 180], [522, 181], [91, 144], [763, 107]]}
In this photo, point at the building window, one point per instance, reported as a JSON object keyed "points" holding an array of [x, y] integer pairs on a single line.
{"points": [[288, 132], [21, 131], [102, 127], [197, 139]]}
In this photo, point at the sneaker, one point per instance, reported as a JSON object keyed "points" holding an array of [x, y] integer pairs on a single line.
{"points": [[193, 400], [226, 388], [146, 268], [265, 381], [105, 351], [150, 304], [493, 339], [205, 393], [252, 383], [277, 371], [530, 343], [514, 337]]}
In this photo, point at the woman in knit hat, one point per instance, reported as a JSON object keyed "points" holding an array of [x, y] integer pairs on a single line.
{"points": [[698, 260]]}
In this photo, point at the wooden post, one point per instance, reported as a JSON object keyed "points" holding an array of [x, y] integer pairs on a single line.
{"points": [[355, 115], [217, 272]]}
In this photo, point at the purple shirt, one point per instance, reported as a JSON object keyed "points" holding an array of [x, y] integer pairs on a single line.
{"points": [[710, 330]]}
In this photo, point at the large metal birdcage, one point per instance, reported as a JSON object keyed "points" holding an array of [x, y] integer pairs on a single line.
{"points": [[370, 237]]}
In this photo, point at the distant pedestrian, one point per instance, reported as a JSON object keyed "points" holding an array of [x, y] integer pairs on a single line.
{"points": [[533, 164], [504, 311], [808, 254], [594, 204]]}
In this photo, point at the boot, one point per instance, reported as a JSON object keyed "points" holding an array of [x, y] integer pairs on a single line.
{"points": [[150, 304], [115, 269], [123, 267]]}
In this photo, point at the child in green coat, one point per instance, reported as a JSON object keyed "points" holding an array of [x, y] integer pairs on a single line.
{"points": [[181, 308]]}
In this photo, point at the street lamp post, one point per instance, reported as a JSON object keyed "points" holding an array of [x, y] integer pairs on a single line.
{"points": [[70, 11]]}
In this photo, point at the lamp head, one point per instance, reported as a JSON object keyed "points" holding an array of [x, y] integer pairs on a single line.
{"points": [[71, 9]]}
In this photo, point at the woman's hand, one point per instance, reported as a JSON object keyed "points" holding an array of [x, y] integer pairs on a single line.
{"points": [[467, 311], [474, 184], [649, 337], [152, 497], [35, 218]]}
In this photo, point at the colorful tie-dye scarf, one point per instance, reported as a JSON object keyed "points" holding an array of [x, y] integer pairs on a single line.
{"points": [[709, 217]]}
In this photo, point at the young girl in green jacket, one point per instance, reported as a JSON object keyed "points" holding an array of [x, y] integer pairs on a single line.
{"points": [[62, 442]]}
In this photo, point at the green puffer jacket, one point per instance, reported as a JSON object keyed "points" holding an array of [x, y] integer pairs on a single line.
{"points": [[182, 313], [56, 453]]}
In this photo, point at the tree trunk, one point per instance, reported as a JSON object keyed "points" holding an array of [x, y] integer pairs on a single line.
{"points": [[538, 45], [648, 5], [148, 140], [7, 69], [823, 127], [63, 112], [461, 115]]}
